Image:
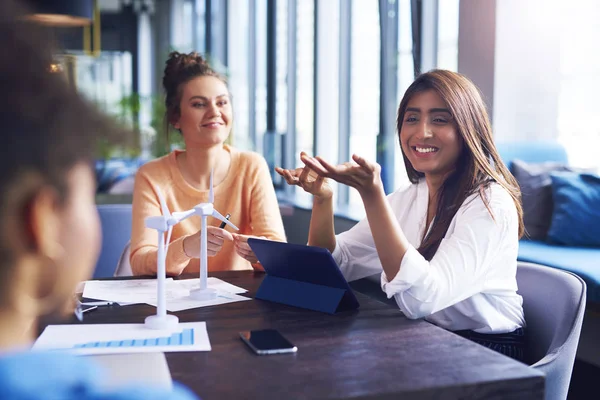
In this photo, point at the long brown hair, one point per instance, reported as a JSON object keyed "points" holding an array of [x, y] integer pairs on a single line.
{"points": [[479, 163]]}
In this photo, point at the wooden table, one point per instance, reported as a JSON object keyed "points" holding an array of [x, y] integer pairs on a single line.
{"points": [[374, 352]]}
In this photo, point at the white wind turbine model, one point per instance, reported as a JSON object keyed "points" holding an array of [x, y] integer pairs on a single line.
{"points": [[163, 223], [205, 210]]}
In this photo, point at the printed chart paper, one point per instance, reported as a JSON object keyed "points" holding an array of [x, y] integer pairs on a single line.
{"points": [[123, 338]]}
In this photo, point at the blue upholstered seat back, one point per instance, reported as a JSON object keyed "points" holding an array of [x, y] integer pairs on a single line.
{"points": [[116, 232], [554, 305]]}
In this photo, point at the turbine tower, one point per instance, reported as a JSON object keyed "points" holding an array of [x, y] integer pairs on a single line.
{"points": [[205, 210]]}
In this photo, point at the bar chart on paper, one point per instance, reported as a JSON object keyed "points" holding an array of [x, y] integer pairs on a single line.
{"points": [[123, 338], [185, 338]]}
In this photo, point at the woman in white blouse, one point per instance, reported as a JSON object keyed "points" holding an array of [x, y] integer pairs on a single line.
{"points": [[446, 244]]}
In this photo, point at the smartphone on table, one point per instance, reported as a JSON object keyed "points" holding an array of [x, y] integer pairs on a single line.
{"points": [[267, 341]]}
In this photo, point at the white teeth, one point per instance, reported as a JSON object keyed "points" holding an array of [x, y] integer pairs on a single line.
{"points": [[425, 149]]}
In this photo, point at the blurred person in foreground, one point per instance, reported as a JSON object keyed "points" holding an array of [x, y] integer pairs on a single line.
{"points": [[49, 228]]}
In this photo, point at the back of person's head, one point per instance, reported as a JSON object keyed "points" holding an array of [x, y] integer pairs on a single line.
{"points": [[49, 235], [181, 68], [479, 163]]}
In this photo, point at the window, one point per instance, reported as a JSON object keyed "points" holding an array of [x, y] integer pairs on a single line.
{"points": [[327, 83], [364, 83], [406, 74], [305, 75], [239, 74], [182, 38], [447, 48], [261, 73], [105, 80], [200, 25], [305, 82], [579, 81], [281, 50]]}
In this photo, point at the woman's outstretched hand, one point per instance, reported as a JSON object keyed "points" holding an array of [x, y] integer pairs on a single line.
{"points": [[363, 175], [307, 178]]}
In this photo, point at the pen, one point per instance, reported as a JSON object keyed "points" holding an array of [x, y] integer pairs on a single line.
{"points": [[98, 303], [223, 223], [89, 309]]}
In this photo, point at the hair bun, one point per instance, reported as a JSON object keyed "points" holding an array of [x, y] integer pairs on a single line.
{"points": [[180, 66]]}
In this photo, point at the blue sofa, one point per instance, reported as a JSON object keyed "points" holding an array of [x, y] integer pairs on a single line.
{"points": [[583, 261]]}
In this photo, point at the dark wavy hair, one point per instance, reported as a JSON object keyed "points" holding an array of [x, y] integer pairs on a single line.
{"points": [[48, 128], [479, 163]]}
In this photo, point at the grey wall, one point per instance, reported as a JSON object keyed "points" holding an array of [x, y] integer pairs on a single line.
{"points": [[476, 45]]}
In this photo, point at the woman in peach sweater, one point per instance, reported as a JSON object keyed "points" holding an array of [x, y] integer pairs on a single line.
{"points": [[199, 106]]}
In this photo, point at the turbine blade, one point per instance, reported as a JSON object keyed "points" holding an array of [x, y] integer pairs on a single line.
{"points": [[211, 195], [168, 240], [181, 215], [163, 203], [220, 217]]}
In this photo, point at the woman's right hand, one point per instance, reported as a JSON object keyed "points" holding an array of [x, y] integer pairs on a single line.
{"points": [[214, 239], [307, 179]]}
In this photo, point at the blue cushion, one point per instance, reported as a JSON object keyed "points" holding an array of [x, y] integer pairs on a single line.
{"points": [[536, 195], [583, 261], [576, 214]]}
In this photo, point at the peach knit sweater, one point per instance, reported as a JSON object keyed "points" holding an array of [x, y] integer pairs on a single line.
{"points": [[246, 193]]}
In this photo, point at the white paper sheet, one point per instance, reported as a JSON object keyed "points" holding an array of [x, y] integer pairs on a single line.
{"points": [[125, 291], [213, 283], [177, 292], [119, 338], [185, 303]]}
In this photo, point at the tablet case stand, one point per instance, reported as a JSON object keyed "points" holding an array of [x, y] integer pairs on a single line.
{"points": [[303, 294]]}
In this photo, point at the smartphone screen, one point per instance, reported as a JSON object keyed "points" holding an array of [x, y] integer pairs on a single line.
{"points": [[267, 341]]}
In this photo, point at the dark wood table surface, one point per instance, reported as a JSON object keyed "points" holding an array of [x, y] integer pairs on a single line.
{"points": [[373, 352]]}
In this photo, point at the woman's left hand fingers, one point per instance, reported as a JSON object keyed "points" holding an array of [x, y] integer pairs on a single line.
{"points": [[243, 249], [243, 246], [246, 254]]}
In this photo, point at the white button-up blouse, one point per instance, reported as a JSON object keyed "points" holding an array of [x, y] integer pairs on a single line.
{"points": [[470, 283]]}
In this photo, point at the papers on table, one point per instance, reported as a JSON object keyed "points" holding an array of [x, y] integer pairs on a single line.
{"points": [[185, 303], [123, 338], [127, 291], [213, 283], [177, 292]]}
